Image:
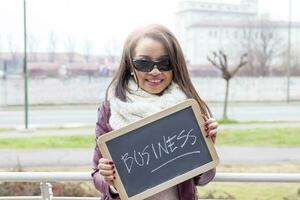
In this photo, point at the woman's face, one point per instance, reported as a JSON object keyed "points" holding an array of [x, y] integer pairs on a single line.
{"points": [[155, 81]]}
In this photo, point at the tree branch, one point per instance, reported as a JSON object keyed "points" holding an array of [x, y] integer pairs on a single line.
{"points": [[242, 63], [213, 62]]}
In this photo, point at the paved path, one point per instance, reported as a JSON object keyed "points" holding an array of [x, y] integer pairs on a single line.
{"points": [[81, 157], [90, 130], [51, 116]]}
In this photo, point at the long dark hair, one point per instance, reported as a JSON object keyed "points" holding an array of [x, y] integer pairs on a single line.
{"points": [[180, 72]]}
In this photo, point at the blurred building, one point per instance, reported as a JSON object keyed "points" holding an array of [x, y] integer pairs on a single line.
{"points": [[43, 65], [234, 26]]}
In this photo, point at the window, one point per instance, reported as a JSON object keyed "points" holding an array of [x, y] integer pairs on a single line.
{"points": [[226, 34], [236, 34], [215, 34]]}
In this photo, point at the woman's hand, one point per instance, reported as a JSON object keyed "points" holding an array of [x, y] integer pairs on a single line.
{"points": [[211, 126], [107, 170]]}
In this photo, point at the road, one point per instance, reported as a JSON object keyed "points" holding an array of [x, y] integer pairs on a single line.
{"points": [[83, 157], [81, 115]]}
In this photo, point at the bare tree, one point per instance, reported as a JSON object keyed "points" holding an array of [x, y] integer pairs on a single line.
{"points": [[263, 45], [70, 47], [12, 48], [2, 68], [295, 62], [87, 50], [52, 46], [112, 48], [0, 44], [220, 61], [32, 47]]}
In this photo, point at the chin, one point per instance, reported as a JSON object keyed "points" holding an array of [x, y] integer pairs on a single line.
{"points": [[158, 92]]}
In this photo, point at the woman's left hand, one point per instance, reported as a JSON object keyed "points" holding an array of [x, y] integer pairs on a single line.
{"points": [[211, 126]]}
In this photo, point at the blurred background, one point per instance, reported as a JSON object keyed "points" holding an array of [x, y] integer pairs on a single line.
{"points": [[74, 47], [57, 58]]}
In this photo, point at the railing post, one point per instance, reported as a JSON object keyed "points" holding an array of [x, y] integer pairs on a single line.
{"points": [[46, 191]]}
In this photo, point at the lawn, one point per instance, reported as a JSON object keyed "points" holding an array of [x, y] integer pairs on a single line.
{"points": [[260, 136], [250, 191], [47, 142], [246, 137]]}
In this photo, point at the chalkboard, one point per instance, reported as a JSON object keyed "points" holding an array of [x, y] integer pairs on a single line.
{"points": [[159, 151]]}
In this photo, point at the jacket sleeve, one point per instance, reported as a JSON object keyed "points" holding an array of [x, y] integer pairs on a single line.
{"points": [[102, 127], [208, 176], [205, 178]]}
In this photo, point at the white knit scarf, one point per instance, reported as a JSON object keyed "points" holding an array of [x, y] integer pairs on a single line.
{"points": [[141, 104]]}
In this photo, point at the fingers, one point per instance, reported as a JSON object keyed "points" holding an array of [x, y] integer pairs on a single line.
{"points": [[211, 126], [212, 133], [107, 169], [109, 179], [102, 166], [204, 117], [107, 172]]}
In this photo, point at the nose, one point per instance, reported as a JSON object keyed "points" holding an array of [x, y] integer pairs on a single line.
{"points": [[155, 71]]}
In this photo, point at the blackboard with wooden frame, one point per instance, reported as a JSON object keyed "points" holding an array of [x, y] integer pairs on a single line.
{"points": [[159, 151]]}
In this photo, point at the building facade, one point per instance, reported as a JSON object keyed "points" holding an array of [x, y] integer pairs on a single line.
{"points": [[233, 26]]}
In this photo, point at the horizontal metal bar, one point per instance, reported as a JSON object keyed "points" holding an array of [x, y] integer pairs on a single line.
{"points": [[44, 176], [53, 198], [21, 198], [75, 198], [258, 177], [85, 176]]}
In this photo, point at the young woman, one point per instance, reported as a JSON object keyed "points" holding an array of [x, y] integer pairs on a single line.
{"points": [[152, 76]]}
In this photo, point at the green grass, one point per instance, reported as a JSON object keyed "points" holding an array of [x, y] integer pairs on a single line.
{"points": [[233, 121], [47, 142], [251, 191], [260, 136], [228, 121], [246, 137], [6, 129]]}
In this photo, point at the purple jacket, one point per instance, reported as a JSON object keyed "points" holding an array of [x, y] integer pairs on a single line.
{"points": [[186, 190]]}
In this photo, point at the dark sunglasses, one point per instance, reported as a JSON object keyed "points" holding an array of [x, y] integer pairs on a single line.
{"points": [[144, 65]]}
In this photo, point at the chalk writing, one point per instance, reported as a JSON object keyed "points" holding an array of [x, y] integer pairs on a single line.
{"points": [[167, 146]]}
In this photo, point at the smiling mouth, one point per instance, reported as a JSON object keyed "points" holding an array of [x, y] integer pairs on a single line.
{"points": [[154, 82]]}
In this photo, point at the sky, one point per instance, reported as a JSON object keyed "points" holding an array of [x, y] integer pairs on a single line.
{"points": [[103, 24]]}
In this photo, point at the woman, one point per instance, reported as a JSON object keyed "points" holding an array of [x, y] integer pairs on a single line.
{"points": [[152, 76]]}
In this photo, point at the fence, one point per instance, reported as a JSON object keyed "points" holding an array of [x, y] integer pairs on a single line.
{"points": [[82, 90], [45, 179]]}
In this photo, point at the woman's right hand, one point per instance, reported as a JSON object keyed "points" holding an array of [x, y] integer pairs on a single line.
{"points": [[107, 170]]}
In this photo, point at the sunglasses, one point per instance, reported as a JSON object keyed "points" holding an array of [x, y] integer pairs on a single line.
{"points": [[144, 65]]}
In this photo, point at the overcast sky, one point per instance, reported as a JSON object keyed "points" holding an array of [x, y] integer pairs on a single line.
{"points": [[101, 22]]}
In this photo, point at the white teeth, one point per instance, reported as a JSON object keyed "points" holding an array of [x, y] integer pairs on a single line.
{"points": [[154, 81]]}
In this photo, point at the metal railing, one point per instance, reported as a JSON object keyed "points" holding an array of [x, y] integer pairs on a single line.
{"points": [[45, 179]]}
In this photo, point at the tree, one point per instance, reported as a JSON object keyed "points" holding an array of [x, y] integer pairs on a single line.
{"points": [[112, 48], [87, 50], [12, 48], [0, 44], [263, 45], [52, 46], [295, 71], [70, 47], [220, 61], [32, 47]]}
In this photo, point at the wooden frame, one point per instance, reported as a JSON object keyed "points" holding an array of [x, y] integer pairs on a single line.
{"points": [[174, 181]]}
